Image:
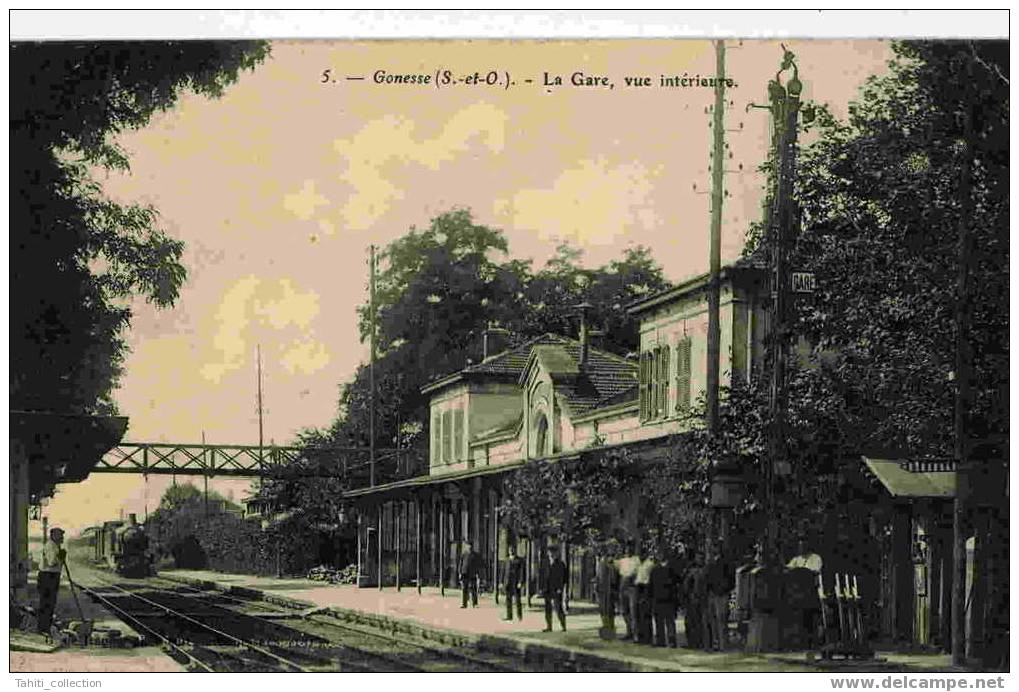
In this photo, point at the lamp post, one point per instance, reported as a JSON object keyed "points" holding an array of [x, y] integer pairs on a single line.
{"points": [[784, 105]]}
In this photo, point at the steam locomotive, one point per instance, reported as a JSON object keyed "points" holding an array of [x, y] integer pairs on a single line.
{"points": [[124, 547]]}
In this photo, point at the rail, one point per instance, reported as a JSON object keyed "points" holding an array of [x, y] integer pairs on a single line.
{"points": [[282, 661]]}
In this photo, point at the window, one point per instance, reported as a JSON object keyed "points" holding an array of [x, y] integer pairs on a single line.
{"points": [[683, 375], [654, 383], [541, 438]]}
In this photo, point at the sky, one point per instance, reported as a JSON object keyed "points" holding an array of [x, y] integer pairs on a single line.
{"points": [[279, 187]]}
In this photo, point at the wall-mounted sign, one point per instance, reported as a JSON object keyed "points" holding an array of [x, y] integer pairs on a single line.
{"points": [[803, 282]]}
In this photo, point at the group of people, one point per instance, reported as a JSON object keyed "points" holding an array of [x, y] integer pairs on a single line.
{"points": [[650, 591], [647, 591], [469, 570]]}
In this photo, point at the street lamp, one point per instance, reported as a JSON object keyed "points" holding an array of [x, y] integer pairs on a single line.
{"points": [[728, 485], [764, 634]]}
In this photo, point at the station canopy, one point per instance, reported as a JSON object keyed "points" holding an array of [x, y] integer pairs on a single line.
{"points": [[63, 447]]}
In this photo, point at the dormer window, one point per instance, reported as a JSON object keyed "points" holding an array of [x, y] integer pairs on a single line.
{"points": [[448, 438]]}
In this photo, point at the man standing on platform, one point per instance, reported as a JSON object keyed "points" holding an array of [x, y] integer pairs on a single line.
{"points": [[514, 582], [555, 585], [628, 565], [643, 583], [469, 569], [607, 589], [664, 601], [48, 580], [694, 596], [720, 581]]}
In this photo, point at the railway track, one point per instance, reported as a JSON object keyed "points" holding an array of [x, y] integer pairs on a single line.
{"points": [[209, 630], [388, 646]]}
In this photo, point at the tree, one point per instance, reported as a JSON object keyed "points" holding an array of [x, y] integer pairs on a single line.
{"points": [[437, 290], [77, 257], [880, 204], [890, 200]]}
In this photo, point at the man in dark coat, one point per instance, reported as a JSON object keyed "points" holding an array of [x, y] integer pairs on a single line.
{"points": [[643, 584], [694, 596], [606, 583], [555, 585], [469, 570], [664, 602], [514, 579], [720, 582]]}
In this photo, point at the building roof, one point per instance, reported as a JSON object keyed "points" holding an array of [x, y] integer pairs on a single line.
{"points": [[504, 366], [911, 479], [752, 265], [651, 450], [601, 380], [604, 378], [63, 447]]}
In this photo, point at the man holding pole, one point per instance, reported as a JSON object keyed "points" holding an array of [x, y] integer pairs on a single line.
{"points": [[53, 558]]}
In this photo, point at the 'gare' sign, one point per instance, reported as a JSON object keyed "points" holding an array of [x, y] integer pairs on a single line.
{"points": [[803, 282]]}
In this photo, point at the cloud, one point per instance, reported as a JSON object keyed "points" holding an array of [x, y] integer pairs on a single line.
{"points": [[274, 304], [390, 141], [593, 204], [305, 356], [305, 201]]}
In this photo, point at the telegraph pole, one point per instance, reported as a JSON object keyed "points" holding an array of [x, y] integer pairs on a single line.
{"points": [[261, 428], [261, 460], [714, 251], [205, 476], [371, 368]]}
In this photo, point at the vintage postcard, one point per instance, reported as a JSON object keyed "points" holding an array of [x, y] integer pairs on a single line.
{"points": [[564, 347]]}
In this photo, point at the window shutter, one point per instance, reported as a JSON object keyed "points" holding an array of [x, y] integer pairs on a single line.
{"points": [[664, 383], [653, 384], [683, 375], [643, 374], [447, 436], [458, 434], [436, 437]]}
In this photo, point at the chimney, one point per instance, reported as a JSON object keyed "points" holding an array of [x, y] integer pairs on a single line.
{"points": [[495, 341], [583, 307]]}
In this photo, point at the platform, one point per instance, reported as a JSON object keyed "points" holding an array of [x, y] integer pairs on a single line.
{"points": [[33, 653], [440, 617]]}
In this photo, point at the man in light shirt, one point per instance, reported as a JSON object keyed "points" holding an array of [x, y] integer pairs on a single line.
{"points": [[806, 559], [53, 556], [628, 591], [643, 582]]}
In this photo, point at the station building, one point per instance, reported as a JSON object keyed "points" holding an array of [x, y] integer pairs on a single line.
{"points": [[555, 397], [550, 398]]}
